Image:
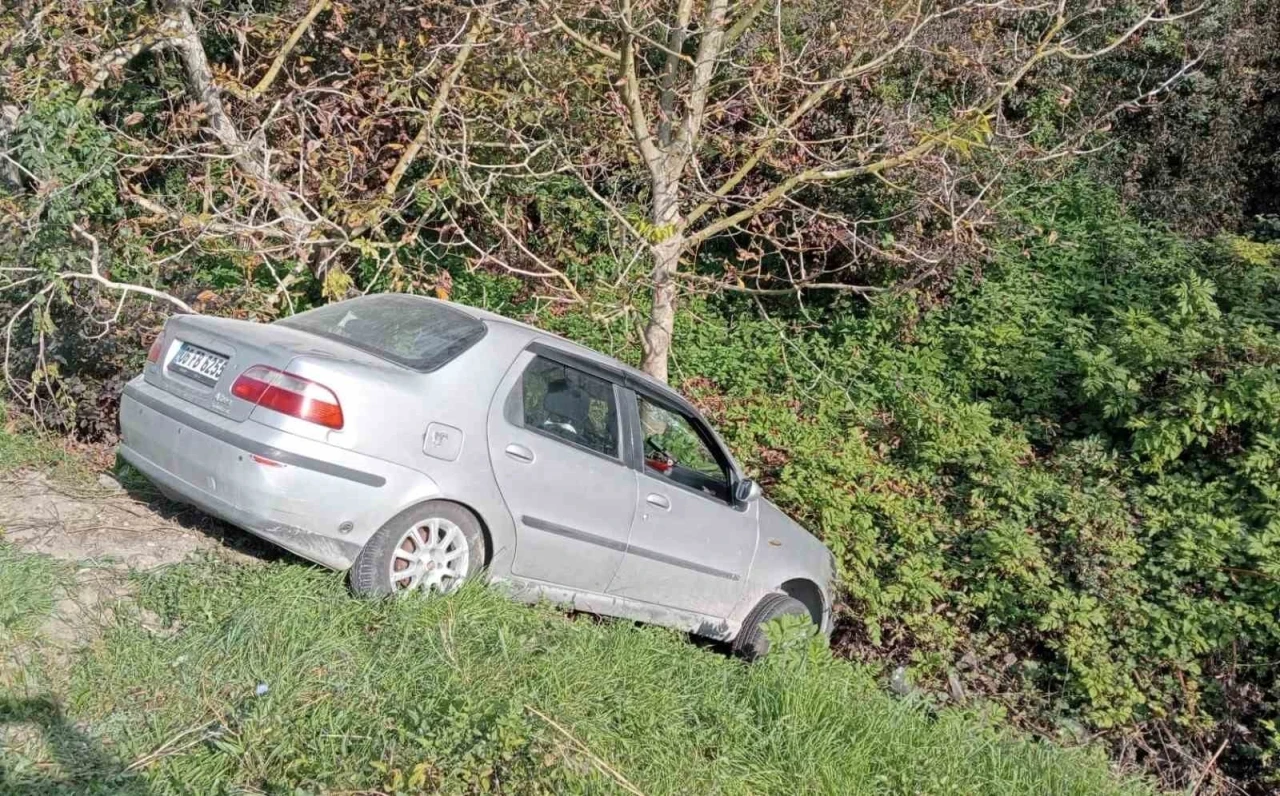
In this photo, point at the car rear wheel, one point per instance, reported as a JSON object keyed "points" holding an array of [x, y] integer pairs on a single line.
{"points": [[430, 548], [751, 642]]}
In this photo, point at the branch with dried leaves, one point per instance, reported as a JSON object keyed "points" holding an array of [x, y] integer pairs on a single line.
{"points": [[94, 275]]}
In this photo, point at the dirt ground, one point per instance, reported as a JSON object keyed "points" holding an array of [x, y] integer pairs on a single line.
{"points": [[104, 531], [101, 523]]}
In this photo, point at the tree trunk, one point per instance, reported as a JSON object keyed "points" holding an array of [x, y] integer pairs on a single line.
{"points": [[10, 176], [662, 315], [249, 156], [666, 260]]}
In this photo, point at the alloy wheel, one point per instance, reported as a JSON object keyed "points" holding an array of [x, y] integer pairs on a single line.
{"points": [[431, 556]]}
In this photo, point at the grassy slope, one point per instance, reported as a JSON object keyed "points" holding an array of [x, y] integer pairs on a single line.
{"points": [[463, 694], [474, 692]]}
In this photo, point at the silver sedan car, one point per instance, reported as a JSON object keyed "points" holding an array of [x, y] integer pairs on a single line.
{"points": [[419, 443]]}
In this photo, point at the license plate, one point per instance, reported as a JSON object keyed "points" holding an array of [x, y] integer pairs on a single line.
{"points": [[196, 363]]}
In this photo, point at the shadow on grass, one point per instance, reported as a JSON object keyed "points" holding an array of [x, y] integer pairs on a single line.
{"points": [[79, 764], [174, 510]]}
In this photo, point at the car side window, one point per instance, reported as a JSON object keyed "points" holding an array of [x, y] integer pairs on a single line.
{"points": [[573, 406], [673, 449]]}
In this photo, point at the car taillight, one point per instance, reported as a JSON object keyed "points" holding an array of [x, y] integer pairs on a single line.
{"points": [[153, 353], [289, 395]]}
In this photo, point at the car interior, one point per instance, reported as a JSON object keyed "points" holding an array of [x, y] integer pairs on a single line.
{"points": [[571, 405], [579, 408], [674, 450]]}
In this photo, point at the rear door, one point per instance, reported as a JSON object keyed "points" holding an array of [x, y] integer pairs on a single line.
{"points": [[559, 456], [690, 548]]}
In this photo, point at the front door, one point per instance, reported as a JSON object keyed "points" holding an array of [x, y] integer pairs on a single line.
{"points": [[557, 452], [690, 547]]}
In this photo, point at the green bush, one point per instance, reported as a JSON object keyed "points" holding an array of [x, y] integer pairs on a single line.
{"points": [[1063, 482], [1067, 476]]}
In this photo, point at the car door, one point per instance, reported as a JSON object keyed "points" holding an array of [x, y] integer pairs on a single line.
{"points": [[690, 548], [557, 450]]}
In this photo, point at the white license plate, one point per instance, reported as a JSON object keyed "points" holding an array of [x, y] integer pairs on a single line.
{"points": [[199, 364]]}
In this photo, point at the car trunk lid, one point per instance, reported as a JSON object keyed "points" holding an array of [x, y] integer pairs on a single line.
{"points": [[201, 357]]}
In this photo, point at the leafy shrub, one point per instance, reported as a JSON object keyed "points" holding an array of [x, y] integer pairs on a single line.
{"points": [[1066, 477], [69, 346]]}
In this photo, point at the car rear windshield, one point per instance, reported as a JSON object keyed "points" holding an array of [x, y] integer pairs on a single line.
{"points": [[407, 330]]}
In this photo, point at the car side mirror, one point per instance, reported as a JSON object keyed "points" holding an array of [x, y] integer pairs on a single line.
{"points": [[746, 490]]}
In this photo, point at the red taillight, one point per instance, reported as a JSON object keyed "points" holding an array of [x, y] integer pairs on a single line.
{"points": [[289, 395], [153, 354]]}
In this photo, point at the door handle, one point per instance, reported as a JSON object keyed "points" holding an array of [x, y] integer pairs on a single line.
{"points": [[659, 501], [520, 453]]}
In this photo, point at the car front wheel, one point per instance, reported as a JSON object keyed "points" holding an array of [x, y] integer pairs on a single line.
{"points": [[752, 643], [430, 548]]}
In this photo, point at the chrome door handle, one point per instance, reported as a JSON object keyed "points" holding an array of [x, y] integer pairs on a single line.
{"points": [[520, 453], [660, 501]]}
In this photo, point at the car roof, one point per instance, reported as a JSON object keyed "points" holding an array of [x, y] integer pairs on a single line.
{"points": [[605, 361], [619, 370]]}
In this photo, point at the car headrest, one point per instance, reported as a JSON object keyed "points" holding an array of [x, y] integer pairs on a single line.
{"points": [[566, 401]]}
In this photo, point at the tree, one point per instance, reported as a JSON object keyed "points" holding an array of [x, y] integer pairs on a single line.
{"points": [[333, 147], [744, 118], [128, 149]]}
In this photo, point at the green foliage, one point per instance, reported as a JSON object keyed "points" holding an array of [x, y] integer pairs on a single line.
{"points": [[72, 372], [1069, 472]]}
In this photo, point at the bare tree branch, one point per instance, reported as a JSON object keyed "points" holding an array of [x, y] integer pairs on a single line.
{"points": [[95, 274], [274, 70], [437, 105], [630, 87], [107, 64], [581, 39], [704, 69]]}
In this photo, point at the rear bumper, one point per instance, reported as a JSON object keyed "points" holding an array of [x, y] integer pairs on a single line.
{"points": [[316, 500]]}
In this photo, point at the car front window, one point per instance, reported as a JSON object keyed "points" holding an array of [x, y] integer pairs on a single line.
{"points": [[674, 449]]}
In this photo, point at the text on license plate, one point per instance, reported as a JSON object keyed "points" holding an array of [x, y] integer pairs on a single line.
{"points": [[202, 365]]}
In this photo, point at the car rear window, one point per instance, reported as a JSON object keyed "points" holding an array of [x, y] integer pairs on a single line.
{"points": [[410, 331]]}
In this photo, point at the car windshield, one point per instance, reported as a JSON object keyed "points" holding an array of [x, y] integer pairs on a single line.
{"points": [[413, 332]]}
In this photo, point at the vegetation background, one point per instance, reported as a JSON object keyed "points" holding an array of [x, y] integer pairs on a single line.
{"points": [[990, 300]]}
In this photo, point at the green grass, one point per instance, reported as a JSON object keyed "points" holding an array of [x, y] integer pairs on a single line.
{"points": [[27, 586], [473, 693], [25, 448]]}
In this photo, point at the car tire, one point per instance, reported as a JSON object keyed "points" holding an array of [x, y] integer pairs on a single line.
{"points": [[437, 545], [751, 643]]}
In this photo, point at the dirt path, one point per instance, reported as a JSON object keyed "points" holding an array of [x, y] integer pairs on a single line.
{"points": [[104, 531], [100, 525]]}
